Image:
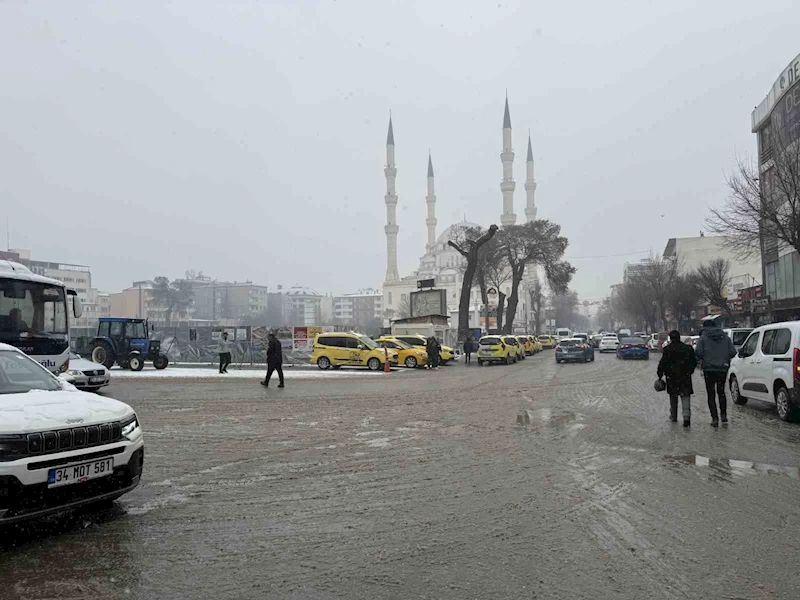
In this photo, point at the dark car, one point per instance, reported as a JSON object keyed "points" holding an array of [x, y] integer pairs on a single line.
{"points": [[574, 349], [633, 347]]}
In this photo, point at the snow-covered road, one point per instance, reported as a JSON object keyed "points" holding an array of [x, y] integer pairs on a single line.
{"points": [[177, 372]]}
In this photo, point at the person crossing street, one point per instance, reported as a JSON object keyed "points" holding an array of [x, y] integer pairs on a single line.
{"points": [[274, 360], [224, 348]]}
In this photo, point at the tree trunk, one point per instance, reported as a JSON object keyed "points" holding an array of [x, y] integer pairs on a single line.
{"points": [[469, 273], [501, 306], [513, 299]]}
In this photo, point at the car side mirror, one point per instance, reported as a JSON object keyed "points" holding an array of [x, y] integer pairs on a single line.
{"points": [[361, 346], [740, 353]]}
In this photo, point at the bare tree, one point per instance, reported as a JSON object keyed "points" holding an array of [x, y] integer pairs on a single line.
{"points": [[683, 297], [713, 279], [659, 275], [564, 308], [637, 302], [536, 294], [469, 249], [762, 205]]}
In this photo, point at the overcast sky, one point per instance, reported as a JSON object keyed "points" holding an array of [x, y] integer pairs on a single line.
{"points": [[246, 139]]}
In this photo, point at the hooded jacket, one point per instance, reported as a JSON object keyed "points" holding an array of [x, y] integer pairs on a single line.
{"points": [[715, 350]]}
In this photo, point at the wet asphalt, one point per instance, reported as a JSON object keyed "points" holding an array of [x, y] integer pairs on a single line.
{"points": [[422, 485]]}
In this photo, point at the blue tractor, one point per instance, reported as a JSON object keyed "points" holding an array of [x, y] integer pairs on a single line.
{"points": [[127, 343]]}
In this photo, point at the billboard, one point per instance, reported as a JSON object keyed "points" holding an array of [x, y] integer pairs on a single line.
{"points": [[428, 302]]}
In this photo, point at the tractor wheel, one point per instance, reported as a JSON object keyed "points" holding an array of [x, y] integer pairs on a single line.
{"points": [[160, 362], [103, 354], [136, 362]]}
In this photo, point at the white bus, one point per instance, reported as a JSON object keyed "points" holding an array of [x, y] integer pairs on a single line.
{"points": [[35, 314]]}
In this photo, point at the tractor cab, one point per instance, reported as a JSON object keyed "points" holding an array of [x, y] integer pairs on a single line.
{"points": [[127, 343]]}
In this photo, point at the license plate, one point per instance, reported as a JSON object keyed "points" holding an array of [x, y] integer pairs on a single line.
{"points": [[97, 379], [80, 473]]}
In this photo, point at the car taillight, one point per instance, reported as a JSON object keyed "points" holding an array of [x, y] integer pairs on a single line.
{"points": [[558, 347], [796, 364], [625, 346]]}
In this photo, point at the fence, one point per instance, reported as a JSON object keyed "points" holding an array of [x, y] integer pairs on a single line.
{"points": [[183, 344]]}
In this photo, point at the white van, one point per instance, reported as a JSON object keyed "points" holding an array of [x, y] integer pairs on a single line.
{"points": [[766, 368], [562, 333]]}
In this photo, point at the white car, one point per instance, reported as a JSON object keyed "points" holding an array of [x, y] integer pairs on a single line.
{"points": [[60, 448], [609, 343], [85, 374], [766, 368]]}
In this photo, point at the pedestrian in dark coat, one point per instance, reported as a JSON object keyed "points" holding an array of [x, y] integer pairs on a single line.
{"points": [[274, 360], [715, 351], [432, 348], [469, 346], [677, 363]]}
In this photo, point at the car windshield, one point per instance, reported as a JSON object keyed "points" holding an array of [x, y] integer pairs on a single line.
{"points": [[491, 341], [20, 374], [563, 343], [400, 344], [368, 342], [31, 310], [632, 340], [740, 336]]}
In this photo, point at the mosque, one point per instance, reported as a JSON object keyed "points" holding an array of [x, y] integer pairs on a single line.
{"points": [[440, 261]]}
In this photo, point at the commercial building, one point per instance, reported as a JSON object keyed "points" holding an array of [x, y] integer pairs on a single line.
{"points": [[364, 308], [695, 251], [139, 302], [776, 123]]}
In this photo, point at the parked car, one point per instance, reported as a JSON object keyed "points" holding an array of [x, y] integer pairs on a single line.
{"points": [[738, 335], [657, 341], [767, 368], [492, 348], [574, 349], [410, 356], [527, 345], [446, 353], [633, 347], [85, 374], [514, 343], [537, 345], [609, 343], [548, 341], [350, 349], [60, 448]]}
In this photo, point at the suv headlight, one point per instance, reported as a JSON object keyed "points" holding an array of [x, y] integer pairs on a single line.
{"points": [[128, 427]]}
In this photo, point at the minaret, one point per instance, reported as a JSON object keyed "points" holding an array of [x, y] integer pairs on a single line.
{"points": [[430, 199], [391, 228], [530, 185], [507, 185]]}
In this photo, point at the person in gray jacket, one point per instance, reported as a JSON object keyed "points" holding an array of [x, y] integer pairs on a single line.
{"points": [[224, 348], [714, 351]]}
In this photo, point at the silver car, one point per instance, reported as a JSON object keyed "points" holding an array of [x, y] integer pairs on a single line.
{"points": [[85, 374]]}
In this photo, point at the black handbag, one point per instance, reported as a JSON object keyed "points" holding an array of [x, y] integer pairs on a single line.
{"points": [[659, 385]]}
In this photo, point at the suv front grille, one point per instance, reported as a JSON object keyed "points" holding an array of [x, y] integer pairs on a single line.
{"points": [[49, 442]]}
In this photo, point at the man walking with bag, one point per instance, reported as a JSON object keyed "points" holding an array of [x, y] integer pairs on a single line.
{"points": [[274, 360], [715, 351], [677, 363]]}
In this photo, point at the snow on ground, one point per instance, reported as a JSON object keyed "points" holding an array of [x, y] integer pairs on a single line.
{"points": [[177, 372]]}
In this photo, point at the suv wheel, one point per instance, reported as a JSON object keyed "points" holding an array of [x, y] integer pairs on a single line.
{"points": [[736, 395], [783, 403]]}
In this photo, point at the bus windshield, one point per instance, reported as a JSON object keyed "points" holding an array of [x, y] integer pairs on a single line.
{"points": [[30, 310]]}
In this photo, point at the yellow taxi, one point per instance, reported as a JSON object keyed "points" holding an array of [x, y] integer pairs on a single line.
{"points": [[518, 348], [537, 345], [446, 354], [492, 348], [526, 343], [410, 356], [548, 341], [350, 349]]}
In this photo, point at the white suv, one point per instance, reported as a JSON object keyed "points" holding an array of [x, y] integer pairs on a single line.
{"points": [[767, 368], [60, 448]]}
